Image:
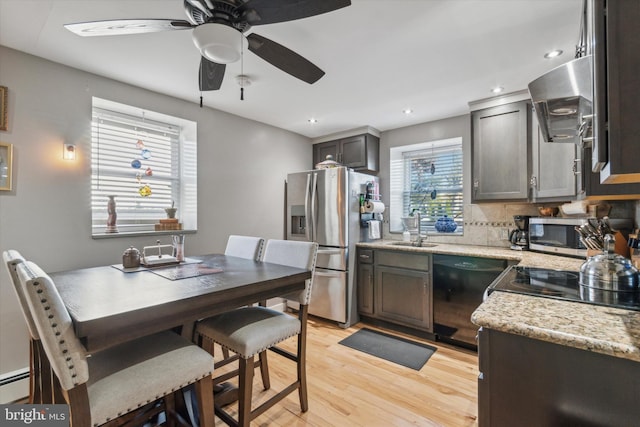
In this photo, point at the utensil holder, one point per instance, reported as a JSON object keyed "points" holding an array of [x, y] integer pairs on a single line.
{"points": [[178, 247]]}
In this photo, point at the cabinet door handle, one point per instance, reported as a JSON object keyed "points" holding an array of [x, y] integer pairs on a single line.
{"points": [[576, 168], [364, 257]]}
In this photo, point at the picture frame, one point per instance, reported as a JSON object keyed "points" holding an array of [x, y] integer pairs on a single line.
{"points": [[6, 166], [3, 107]]}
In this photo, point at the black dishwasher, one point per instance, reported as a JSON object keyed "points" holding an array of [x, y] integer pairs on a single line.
{"points": [[459, 283]]}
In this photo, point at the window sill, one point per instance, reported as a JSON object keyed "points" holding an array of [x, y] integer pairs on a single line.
{"points": [[142, 234]]}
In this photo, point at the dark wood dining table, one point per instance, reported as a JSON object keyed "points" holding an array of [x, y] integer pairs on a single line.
{"points": [[109, 305]]}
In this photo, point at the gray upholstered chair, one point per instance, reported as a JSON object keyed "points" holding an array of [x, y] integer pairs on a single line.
{"points": [[130, 382], [248, 247], [40, 386], [250, 331]]}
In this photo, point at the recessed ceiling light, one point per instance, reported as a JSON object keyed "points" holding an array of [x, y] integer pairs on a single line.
{"points": [[407, 111], [312, 120], [497, 89], [553, 54]]}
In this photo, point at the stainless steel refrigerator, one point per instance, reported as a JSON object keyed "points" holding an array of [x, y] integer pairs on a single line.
{"points": [[323, 206]]}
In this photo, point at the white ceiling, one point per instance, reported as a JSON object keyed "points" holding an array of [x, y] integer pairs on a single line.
{"points": [[380, 56]]}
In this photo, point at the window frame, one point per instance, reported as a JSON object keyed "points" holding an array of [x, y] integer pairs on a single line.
{"points": [[401, 193], [175, 181]]}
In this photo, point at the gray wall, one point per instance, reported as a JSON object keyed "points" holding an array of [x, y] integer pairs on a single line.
{"points": [[459, 126], [242, 166]]}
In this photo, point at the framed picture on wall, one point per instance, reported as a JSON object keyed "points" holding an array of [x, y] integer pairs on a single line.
{"points": [[6, 169], [3, 107]]}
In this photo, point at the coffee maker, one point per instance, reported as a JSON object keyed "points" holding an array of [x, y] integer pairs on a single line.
{"points": [[519, 237]]}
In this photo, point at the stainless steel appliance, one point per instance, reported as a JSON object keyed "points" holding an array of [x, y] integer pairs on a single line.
{"points": [[323, 206], [519, 237], [558, 284], [558, 235], [459, 283]]}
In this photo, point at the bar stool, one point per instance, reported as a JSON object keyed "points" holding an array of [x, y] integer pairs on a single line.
{"points": [[249, 331], [130, 382]]}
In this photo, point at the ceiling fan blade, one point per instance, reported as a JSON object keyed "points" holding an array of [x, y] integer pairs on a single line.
{"points": [[261, 12], [210, 75], [283, 58], [120, 27]]}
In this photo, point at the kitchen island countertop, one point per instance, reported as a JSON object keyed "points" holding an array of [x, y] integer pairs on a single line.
{"points": [[606, 330]]}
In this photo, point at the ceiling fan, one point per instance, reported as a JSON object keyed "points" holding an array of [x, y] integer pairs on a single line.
{"points": [[218, 32]]}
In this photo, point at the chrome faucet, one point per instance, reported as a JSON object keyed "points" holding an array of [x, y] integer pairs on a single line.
{"points": [[419, 237]]}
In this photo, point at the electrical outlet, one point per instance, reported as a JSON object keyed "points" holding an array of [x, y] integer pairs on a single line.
{"points": [[504, 233]]}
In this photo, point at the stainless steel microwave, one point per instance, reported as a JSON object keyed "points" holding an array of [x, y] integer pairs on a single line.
{"points": [[559, 236]]}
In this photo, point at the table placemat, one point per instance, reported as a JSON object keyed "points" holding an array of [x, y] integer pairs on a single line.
{"points": [[145, 268], [185, 271]]}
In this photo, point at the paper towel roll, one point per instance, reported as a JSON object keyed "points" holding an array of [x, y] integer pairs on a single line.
{"points": [[371, 206], [574, 208]]}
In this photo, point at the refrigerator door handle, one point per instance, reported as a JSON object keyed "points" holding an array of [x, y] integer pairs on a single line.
{"points": [[307, 216], [314, 196]]}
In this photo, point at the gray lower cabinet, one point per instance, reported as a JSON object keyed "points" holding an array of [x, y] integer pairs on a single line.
{"points": [[402, 296], [500, 141], [396, 287], [365, 281], [530, 383]]}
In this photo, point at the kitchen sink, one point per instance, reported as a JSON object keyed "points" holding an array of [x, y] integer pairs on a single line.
{"points": [[422, 245]]}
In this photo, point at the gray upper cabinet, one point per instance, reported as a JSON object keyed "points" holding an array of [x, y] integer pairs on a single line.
{"points": [[360, 152], [500, 152], [555, 168], [616, 42]]}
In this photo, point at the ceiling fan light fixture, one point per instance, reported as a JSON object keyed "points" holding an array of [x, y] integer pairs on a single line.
{"points": [[218, 43]]}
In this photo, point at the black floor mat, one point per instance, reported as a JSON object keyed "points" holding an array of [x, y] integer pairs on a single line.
{"points": [[389, 347]]}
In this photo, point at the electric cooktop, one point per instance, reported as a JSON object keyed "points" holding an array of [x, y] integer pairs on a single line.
{"points": [[558, 284]]}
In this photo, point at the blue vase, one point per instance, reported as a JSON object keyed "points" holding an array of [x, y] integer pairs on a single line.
{"points": [[444, 224]]}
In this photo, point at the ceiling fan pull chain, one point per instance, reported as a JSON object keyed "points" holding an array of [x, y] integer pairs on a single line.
{"points": [[241, 67]]}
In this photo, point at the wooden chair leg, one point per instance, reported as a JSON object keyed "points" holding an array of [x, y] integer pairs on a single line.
{"points": [[245, 383], [170, 410], [46, 376], [58, 393], [204, 395], [264, 370], [34, 374], [302, 361]]}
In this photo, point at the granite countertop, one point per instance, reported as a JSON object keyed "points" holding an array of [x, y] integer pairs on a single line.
{"points": [[606, 330]]}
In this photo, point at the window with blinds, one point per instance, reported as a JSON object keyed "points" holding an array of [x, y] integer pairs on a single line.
{"points": [[426, 178], [147, 165]]}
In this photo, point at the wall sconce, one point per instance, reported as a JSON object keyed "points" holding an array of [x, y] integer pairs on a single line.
{"points": [[68, 151]]}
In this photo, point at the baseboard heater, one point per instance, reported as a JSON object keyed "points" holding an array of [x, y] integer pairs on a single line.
{"points": [[12, 377], [14, 386]]}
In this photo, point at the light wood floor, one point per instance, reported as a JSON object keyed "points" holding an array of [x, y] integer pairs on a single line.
{"points": [[350, 388]]}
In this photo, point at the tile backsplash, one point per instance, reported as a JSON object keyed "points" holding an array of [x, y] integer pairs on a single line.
{"points": [[489, 224]]}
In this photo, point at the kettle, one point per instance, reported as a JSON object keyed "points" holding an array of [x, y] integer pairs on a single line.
{"points": [[131, 258], [609, 277]]}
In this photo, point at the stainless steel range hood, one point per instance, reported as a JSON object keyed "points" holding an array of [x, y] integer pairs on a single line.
{"points": [[563, 101]]}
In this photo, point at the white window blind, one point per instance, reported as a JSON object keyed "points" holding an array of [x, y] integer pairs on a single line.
{"points": [[118, 140], [427, 177]]}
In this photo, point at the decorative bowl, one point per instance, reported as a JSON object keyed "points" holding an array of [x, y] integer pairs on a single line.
{"points": [[548, 211], [444, 224]]}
